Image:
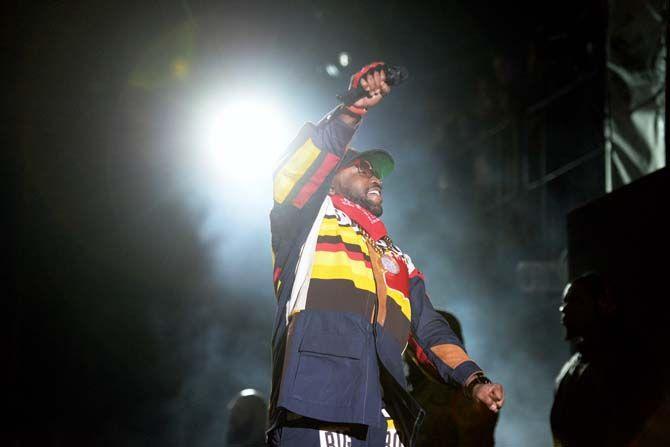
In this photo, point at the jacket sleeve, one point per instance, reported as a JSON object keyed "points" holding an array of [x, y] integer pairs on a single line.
{"points": [[301, 180], [433, 343], [312, 157]]}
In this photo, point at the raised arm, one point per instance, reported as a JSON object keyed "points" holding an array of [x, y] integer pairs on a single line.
{"points": [[316, 151], [303, 175]]}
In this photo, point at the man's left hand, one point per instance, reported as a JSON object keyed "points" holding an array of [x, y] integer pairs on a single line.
{"points": [[491, 395]]}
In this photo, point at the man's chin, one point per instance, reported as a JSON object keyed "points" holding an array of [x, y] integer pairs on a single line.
{"points": [[375, 208]]}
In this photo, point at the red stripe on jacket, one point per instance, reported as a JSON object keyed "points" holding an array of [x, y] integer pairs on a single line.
{"points": [[424, 362], [329, 162]]}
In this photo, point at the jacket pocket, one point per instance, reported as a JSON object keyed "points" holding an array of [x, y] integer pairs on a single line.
{"points": [[329, 369], [333, 344]]}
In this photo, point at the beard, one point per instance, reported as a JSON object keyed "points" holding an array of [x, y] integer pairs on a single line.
{"points": [[376, 209], [358, 194]]}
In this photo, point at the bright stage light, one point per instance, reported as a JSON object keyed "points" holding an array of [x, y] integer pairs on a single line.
{"points": [[232, 146], [344, 59], [243, 141]]}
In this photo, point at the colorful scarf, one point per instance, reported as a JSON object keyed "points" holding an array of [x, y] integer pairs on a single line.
{"points": [[370, 223]]}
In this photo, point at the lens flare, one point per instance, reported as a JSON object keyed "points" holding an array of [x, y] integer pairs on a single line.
{"points": [[241, 143]]}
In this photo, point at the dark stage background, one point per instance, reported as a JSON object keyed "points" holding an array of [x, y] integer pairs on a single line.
{"points": [[143, 288]]}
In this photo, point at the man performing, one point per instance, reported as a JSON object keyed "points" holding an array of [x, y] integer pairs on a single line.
{"points": [[349, 300]]}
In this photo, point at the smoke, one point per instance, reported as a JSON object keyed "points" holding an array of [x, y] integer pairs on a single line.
{"points": [[146, 294], [516, 337]]}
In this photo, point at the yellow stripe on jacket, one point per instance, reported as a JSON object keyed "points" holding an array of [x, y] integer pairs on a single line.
{"points": [[294, 169]]}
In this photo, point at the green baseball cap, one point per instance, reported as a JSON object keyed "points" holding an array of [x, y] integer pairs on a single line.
{"points": [[381, 161]]}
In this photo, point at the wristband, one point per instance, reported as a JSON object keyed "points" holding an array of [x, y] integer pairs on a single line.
{"points": [[359, 111], [343, 110]]}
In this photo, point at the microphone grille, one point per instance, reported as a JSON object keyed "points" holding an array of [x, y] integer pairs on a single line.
{"points": [[396, 74]]}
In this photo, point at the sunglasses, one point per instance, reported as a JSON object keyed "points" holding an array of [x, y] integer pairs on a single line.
{"points": [[365, 168]]}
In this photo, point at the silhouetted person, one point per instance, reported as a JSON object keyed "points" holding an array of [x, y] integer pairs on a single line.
{"points": [[604, 392], [452, 419], [247, 420]]}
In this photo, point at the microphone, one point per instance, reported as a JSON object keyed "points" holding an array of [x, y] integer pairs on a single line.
{"points": [[395, 75]]}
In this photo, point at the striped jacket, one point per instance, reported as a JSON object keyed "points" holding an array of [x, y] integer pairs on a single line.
{"points": [[337, 347]]}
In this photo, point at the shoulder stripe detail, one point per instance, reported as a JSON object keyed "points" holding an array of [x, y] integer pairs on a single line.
{"points": [[327, 166], [294, 169]]}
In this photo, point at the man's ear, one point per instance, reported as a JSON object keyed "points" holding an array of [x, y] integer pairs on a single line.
{"points": [[331, 189]]}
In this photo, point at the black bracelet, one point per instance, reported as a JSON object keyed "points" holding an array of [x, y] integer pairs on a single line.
{"points": [[479, 379]]}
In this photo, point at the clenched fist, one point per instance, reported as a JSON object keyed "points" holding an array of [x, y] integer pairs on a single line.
{"points": [[372, 78], [491, 395]]}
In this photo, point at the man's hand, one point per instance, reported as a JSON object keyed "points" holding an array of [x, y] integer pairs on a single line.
{"points": [[491, 395], [372, 78]]}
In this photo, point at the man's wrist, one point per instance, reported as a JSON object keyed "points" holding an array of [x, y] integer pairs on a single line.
{"points": [[350, 117], [357, 111]]}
